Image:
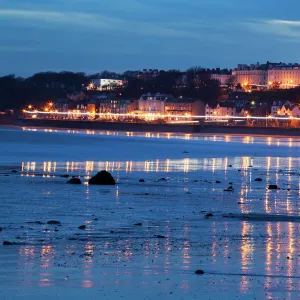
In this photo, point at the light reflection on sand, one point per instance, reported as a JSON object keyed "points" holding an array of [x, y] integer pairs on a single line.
{"points": [[248, 139]]}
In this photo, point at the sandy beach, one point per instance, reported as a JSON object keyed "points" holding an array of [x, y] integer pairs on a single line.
{"points": [[145, 240]]}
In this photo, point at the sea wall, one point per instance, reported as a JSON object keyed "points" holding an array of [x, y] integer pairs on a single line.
{"points": [[143, 127]]}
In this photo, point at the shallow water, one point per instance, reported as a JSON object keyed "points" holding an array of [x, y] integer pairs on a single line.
{"points": [[248, 249]]}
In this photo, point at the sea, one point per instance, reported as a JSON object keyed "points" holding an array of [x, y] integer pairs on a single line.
{"points": [[204, 204]]}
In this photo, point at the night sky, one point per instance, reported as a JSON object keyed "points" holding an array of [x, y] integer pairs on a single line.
{"points": [[92, 35]]}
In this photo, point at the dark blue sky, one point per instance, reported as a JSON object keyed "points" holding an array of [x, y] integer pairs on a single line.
{"points": [[92, 35]]}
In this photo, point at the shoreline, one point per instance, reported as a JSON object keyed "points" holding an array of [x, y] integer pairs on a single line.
{"points": [[157, 128]]}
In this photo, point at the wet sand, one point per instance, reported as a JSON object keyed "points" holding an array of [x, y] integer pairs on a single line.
{"points": [[145, 240]]}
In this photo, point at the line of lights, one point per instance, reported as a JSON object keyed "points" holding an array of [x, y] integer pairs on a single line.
{"points": [[161, 116]]}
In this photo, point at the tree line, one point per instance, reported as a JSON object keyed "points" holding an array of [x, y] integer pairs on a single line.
{"points": [[196, 82], [17, 92]]}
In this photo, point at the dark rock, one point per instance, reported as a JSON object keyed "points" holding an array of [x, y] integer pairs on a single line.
{"points": [[56, 230], [160, 236], [96, 219], [74, 180], [138, 224], [111, 231], [218, 181], [230, 183], [272, 187], [142, 180], [229, 166], [250, 166], [65, 176], [82, 227], [199, 272], [102, 178], [14, 171], [258, 179], [229, 189], [7, 243], [209, 215], [185, 152], [53, 222], [0, 228], [72, 239], [163, 179]]}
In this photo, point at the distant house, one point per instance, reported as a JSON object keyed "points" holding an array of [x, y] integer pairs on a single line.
{"points": [[116, 106], [187, 108], [277, 107], [295, 111], [105, 84], [153, 103], [222, 78], [221, 109]]}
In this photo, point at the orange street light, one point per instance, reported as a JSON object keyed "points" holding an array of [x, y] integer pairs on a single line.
{"points": [[29, 106]]}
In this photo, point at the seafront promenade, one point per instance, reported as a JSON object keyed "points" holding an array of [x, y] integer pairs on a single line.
{"points": [[148, 127]]}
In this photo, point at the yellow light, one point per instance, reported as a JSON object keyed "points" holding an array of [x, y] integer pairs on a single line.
{"points": [[50, 104], [29, 106], [46, 109], [24, 110], [270, 82], [270, 117]]}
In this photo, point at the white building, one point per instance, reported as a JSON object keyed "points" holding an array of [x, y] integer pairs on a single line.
{"points": [[105, 84], [153, 103], [222, 109]]}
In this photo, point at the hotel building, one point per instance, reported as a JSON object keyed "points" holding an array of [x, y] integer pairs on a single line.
{"points": [[267, 75]]}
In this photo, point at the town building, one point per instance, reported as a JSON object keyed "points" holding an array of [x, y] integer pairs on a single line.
{"points": [[221, 109], [279, 107], [148, 74], [153, 103], [186, 108], [116, 108], [105, 84], [269, 75], [222, 78]]}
